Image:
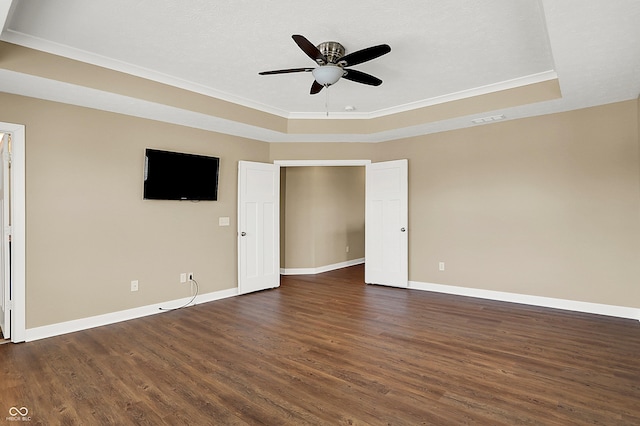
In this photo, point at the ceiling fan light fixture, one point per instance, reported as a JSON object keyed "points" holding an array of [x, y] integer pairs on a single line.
{"points": [[333, 64], [327, 75]]}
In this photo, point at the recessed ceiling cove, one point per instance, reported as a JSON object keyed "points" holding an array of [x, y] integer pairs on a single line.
{"points": [[449, 62], [439, 47]]}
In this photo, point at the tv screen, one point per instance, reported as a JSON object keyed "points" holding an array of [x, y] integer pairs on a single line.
{"points": [[179, 176]]}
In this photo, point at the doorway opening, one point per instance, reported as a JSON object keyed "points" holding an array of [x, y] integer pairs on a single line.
{"points": [[386, 221], [322, 218]]}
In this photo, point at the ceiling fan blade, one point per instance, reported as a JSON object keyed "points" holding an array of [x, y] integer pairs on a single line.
{"points": [[361, 77], [308, 48], [315, 88], [364, 55], [286, 71]]}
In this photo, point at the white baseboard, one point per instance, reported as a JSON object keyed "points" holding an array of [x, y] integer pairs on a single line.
{"points": [[114, 317], [321, 269], [52, 330], [547, 302]]}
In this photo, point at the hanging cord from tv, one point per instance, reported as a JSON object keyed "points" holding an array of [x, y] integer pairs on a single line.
{"points": [[189, 302]]}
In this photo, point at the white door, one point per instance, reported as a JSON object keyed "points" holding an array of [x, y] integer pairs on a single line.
{"points": [[258, 226], [386, 230], [5, 254]]}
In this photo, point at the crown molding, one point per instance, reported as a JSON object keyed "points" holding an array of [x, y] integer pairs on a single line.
{"points": [[47, 46], [98, 60], [450, 97]]}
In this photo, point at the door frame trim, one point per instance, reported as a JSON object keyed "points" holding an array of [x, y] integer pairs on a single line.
{"points": [[18, 233], [314, 163], [325, 163]]}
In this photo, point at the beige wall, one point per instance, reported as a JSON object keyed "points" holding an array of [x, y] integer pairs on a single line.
{"points": [[89, 233], [324, 210], [321, 151], [546, 206]]}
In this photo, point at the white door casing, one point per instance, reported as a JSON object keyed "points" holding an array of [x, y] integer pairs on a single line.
{"points": [[17, 184], [258, 226], [386, 230], [5, 256]]}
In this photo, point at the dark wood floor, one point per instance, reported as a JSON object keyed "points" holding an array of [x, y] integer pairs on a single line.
{"points": [[329, 350]]}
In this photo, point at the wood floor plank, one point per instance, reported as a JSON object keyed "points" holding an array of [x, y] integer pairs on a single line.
{"points": [[330, 350]]}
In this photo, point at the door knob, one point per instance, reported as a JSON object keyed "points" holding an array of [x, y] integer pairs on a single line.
{"points": [[402, 230], [242, 234]]}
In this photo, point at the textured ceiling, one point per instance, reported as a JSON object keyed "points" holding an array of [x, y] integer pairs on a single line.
{"points": [[442, 51]]}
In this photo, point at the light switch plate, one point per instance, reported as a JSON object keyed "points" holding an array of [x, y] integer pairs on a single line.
{"points": [[223, 221]]}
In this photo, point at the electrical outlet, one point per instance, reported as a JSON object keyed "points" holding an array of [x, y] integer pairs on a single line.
{"points": [[346, 249], [134, 285], [441, 266], [190, 276]]}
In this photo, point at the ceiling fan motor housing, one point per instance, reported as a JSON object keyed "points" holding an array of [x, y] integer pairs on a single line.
{"points": [[332, 50]]}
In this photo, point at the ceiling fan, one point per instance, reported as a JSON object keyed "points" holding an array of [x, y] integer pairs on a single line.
{"points": [[333, 63]]}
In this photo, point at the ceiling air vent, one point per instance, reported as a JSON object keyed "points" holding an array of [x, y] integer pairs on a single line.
{"points": [[488, 119]]}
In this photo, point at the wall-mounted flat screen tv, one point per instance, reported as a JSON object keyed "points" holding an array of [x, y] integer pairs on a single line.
{"points": [[179, 176]]}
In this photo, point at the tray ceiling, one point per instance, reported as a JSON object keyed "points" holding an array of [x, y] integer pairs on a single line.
{"points": [[450, 63]]}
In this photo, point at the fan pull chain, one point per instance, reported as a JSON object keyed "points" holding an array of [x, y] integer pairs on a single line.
{"points": [[326, 100]]}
